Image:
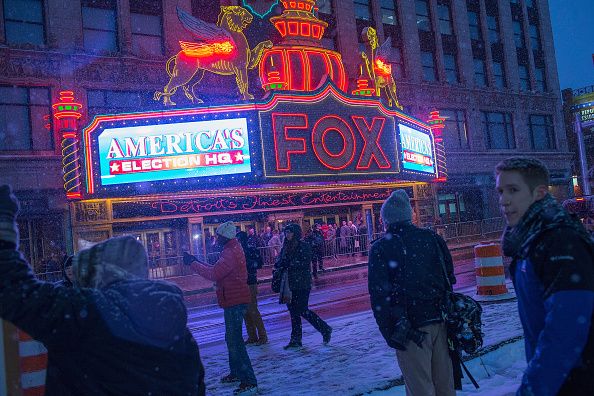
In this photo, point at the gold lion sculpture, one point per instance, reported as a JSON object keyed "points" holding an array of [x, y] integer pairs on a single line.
{"points": [[221, 49], [377, 65]]}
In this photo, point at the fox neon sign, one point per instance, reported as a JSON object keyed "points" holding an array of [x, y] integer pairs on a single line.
{"points": [[294, 136]]}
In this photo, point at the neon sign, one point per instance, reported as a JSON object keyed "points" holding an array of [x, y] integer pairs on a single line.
{"points": [[417, 150], [329, 139], [173, 151]]}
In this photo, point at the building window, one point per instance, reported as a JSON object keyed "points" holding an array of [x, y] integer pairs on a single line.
{"points": [[398, 71], [100, 26], [499, 74], [423, 16], [428, 63], [451, 68], [147, 28], [524, 78], [518, 34], [542, 132], [493, 26], [325, 14], [529, 3], [25, 119], [540, 80], [23, 22], [324, 6], [455, 132], [388, 10], [474, 25], [534, 37], [445, 19], [480, 75], [363, 10], [107, 102], [499, 129]]}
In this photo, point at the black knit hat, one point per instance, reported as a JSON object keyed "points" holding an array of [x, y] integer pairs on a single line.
{"points": [[295, 229]]}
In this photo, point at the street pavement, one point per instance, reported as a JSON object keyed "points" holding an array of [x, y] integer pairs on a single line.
{"points": [[334, 294]]}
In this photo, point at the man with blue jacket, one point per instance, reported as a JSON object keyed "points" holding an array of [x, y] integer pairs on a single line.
{"points": [[553, 274]]}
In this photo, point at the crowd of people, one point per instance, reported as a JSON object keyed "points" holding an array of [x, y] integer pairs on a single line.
{"points": [[109, 311]]}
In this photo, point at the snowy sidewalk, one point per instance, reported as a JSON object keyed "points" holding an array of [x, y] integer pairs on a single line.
{"points": [[357, 361]]}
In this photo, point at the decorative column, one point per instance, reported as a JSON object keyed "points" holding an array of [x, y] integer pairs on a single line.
{"points": [[436, 123], [66, 114]]}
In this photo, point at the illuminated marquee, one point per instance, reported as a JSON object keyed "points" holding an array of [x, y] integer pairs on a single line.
{"points": [[329, 139], [417, 150], [173, 151]]}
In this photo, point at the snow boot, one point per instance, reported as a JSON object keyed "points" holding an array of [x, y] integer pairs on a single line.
{"points": [[246, 389], [293, 345], [229, 379]]}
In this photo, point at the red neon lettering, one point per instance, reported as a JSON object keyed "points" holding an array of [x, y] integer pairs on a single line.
{"points": [[325, 156], [371, 147], [285, 145]]}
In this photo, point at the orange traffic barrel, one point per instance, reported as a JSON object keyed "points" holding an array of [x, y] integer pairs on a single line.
{"points": [[32, 365], [490, 273]]}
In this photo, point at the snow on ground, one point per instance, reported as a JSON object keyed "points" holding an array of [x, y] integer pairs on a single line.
{"points": [[498, 373], [357, 360]]}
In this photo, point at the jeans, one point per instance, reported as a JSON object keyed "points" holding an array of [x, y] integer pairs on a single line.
{"points": [[298, 307], [239, 361]]}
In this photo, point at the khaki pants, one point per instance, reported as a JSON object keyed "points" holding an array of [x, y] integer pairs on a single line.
{"points": [[253, 320], [427, 371]]}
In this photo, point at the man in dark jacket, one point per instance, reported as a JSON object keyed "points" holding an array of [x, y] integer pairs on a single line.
{"points": [[553, 274], [406, 286], [295, 257], [113, 332]]}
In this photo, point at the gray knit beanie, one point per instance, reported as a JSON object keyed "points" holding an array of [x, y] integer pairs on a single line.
{"points": [[396, 208], [115, 259]]}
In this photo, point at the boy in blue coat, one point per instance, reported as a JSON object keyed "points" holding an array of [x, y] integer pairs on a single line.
{"points": [[553, 274]]}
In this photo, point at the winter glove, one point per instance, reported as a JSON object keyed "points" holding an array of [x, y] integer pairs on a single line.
{"points": [[9, 207], [188, 258]]}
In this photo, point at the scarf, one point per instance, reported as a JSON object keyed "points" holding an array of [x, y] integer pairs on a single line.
{"points": [[543, 215]]}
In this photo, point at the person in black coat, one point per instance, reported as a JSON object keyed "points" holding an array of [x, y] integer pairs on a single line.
{"points": [[295, 257], [114, 332], [406, 287]]}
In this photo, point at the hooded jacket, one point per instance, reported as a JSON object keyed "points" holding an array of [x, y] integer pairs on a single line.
{"points": [[230, 274], [128, 337]]}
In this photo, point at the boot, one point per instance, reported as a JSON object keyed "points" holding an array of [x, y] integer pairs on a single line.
{"points": [[293, 345], [326, 335]]}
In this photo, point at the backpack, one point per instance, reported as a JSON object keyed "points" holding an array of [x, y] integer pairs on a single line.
{"points": [[462, 315]]}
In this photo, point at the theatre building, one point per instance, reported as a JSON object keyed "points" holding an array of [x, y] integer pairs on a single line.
{"points": [[488, 66], [169, 178]]}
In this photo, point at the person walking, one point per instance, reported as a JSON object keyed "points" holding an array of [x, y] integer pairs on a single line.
{"points": [[233, 295], [253, 319], [553, 274], [295, 257], [113, 331], [406, 287]]}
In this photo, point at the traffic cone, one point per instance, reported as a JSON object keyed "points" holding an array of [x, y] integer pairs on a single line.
{"points": [[490, 273], [25, 362]]}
